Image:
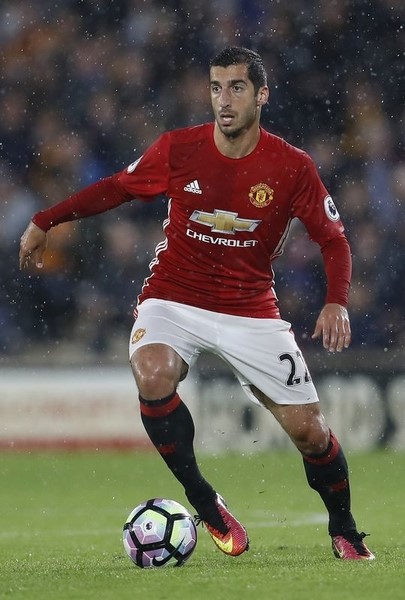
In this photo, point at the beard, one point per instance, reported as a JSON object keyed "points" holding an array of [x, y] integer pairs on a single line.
{"points": [[233, 132], [232, 135]]}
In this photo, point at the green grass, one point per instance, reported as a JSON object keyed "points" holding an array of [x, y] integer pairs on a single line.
{"points": [[61, 517]]}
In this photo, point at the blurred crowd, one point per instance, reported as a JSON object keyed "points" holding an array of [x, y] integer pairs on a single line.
{"points": [[86, 86]]}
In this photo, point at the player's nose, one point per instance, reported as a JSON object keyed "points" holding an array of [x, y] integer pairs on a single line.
{"points": [[224, 98]]}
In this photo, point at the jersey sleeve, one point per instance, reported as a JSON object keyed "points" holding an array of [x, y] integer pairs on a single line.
{"points": [[338, 268], [315, 208], [144, 179], [148, 176], [92, 200], [313, 205]]}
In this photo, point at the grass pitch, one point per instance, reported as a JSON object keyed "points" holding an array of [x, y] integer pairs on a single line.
{"points": [[61, 518]]}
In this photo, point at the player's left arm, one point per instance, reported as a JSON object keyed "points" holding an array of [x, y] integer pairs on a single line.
{"points": [[313, 205], [333, 323]]}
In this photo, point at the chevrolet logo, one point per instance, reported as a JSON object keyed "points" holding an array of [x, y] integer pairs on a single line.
{"points": [[222, 221]]}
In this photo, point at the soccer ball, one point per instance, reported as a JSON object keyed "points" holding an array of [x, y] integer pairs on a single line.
{"points": [[159, 533]]}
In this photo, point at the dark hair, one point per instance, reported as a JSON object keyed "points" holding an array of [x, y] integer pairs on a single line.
{"points": [[236, 55]]}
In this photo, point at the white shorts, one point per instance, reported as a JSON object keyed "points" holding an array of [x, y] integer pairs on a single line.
{"points": [[261, 352]]}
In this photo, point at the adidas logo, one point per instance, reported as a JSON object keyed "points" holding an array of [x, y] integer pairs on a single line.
{"points": [[193, 187]]}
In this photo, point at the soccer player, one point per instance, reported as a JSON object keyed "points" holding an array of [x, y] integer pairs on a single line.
{"points": [[233, 191]]}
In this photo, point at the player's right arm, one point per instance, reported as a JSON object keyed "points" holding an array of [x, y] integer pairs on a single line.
{"points": [[94, 199], [144, 179]]}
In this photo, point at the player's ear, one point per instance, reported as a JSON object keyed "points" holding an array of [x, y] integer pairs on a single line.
{"points": [[263, 95]]}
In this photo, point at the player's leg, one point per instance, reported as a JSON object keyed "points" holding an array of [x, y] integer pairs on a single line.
{"points": [[326, 471], [158, 368], [324, 461], [279, 369]]}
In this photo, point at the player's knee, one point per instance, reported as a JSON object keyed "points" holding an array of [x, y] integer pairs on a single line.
{"points": [[155, 383], [155, 376], [311, 437]]}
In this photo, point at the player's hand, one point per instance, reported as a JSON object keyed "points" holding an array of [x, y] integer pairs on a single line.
{"points": [[32, 246], [333, 325]]}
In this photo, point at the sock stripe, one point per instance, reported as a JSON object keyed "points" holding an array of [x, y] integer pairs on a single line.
{"points": [[160, 408], [326, 457]]}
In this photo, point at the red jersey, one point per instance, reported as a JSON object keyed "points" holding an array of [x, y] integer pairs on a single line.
{"points": [[227, 218]]}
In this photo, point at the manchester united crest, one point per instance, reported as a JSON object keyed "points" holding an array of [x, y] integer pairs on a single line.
{"points": [[261, 195], [138, 334]]}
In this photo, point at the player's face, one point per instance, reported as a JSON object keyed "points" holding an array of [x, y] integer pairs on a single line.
{"points": [[235, 104]]}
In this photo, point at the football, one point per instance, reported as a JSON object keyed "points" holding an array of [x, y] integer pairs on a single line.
{"points": [[159, 533]]}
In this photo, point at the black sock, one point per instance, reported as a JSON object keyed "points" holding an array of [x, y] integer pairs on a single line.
{"points": [[328, 474], [170, 427]]}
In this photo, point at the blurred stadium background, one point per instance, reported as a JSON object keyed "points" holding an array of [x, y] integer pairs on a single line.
{"points": [[85, 87]]}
